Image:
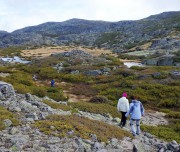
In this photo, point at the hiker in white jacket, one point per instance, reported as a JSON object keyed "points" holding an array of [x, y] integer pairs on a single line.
{"points": [[123, 107]]}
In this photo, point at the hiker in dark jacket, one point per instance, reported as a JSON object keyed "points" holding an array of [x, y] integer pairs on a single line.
{"points": [[136, 111], [52, 83]]}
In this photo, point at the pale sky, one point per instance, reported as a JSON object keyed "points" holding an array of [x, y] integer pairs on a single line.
{"points": [[16, 14]]}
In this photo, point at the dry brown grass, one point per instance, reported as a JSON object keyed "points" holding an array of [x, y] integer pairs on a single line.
{"points": [[47, 51], [143, 47], [69, 90], [73, 95]]}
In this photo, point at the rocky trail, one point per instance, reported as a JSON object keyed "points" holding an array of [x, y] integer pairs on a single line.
{"points": [[26, 138]]}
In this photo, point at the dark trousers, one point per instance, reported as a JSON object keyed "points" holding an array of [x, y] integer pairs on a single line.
{"points": [[123, 119]]}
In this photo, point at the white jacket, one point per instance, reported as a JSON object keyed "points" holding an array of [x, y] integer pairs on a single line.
{"points": [[123, 104]]}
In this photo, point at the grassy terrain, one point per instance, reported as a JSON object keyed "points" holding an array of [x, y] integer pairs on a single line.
{"points": [[23, 83], [5, 114], [156, 92], [96, 108], [167, 133], [81, 126], [57, 105], [11, 51]]}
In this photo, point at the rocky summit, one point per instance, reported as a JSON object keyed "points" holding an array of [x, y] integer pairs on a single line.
{"points": [[30, 108]]}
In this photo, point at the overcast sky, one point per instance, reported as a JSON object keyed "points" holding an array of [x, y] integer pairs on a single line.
{"points": [[15, 14]]}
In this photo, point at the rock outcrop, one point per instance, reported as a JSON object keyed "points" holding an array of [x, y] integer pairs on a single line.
{"points": [[6, 90]]}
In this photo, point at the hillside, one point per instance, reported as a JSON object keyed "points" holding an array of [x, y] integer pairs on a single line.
{"points": [[87, 60], [120, 36], [79, 113]]}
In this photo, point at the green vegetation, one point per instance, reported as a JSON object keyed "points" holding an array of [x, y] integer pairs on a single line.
{"points": [[167, 133], [110, 38], [95, 108], [83, 89], [23, 83], [130, 57], [5, 114], [174, 115], [159, 92], [99, 99], [11, 51], [81, 126], [137, 68], [57, 105]]}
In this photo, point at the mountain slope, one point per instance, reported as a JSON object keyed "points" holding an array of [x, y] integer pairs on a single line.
{"points": [[114, 35]]}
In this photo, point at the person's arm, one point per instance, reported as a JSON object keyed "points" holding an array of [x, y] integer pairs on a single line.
{"points": [[127, 105], [118, 106], [127, 113], [142, 109]]}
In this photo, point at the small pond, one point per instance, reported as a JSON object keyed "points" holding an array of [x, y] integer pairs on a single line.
{"points": [[14, 59], [130, 64]]}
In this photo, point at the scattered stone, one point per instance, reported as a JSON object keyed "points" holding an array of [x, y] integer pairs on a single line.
{"points": [[117, 120], [13, 130], [7, 122], [174, 146], [32, 116]]}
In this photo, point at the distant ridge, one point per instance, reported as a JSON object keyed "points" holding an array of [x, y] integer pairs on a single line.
{"points": [[113, 35]]}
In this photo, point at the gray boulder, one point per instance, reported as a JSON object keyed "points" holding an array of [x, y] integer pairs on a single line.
{"points": [[175, 74], [150, 61], [6, 90], [165, 61], [173, 146], [7, 122], [93, 72]]}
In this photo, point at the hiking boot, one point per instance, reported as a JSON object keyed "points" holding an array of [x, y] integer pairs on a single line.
{"points": [[120, 125]]}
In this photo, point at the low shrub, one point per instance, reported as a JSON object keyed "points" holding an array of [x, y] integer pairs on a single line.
{"points": [[124, 72], [95, 108], [20, 88], [161, 75], [165, 110], [56, 93], [99, 99], [19, 77], [83, 89], [57, 105], [80, 126], [39, 91], [167, 133], [11, 51], [5, 114], [48, 73], [80, 68], [5, 69], [174, 115], [170, 102], [74, 78], [137, 68]]}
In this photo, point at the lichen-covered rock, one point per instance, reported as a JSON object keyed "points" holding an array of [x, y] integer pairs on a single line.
{"points": [[6, 90]]}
